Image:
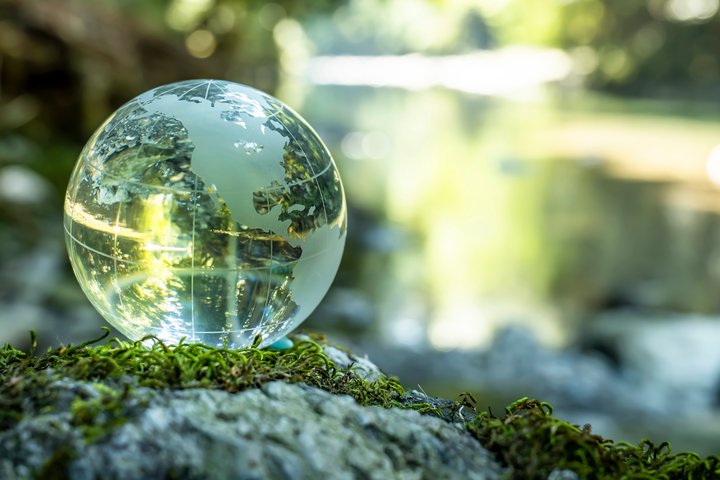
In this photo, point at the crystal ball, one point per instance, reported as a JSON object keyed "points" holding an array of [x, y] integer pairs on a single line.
{"points": [[205, 210]]}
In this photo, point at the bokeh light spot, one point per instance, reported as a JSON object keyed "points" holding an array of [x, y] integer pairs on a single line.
{"points": [[691, 10], [713, 165], [201, 43], [183, 15]]}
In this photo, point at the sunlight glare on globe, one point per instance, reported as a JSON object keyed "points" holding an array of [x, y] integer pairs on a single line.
{"points": [[208, 210]]}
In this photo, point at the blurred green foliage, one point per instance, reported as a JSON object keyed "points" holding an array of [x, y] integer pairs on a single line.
{"points": [[659, 48], [654, 48], [65, 65], [72, 62]]}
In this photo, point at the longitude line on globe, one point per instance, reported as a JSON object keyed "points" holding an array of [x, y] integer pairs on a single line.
{"points": [[317, 184], [192, 260], [116, 251]]}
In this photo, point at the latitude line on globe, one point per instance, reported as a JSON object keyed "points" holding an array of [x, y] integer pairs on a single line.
{"points": [[160, 329], [130, 262], [177, 190]]}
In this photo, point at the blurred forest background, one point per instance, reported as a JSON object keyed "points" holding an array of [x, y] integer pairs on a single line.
{"points": [[532, 184]]}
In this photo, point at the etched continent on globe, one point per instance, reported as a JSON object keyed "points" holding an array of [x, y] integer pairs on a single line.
{"points": [[205, 209]]}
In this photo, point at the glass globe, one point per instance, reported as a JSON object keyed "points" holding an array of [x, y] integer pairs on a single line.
{"points": [[205, 209]]}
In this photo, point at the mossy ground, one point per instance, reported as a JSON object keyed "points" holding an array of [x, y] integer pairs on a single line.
{"points": [[527, 439]]}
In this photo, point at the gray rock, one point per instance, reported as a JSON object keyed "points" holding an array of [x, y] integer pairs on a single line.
{"points": [[672, 359], [563, 475], [362, 366], [516, 365], [445, 409], [278, 431]]}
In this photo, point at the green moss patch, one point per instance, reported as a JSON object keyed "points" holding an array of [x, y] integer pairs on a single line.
{"points": [[527, 439], [532, 443], [152, 363]]}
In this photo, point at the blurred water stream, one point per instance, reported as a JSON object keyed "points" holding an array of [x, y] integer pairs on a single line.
{"points": [[589, 223], [477, 212]]}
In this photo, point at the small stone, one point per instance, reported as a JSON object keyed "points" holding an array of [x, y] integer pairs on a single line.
{"points": [[283, 344]]}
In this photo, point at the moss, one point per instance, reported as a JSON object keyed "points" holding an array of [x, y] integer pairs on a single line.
{"points": [[98, 416], [527, 439], [532, 443], [152, 363], [115, 367]]}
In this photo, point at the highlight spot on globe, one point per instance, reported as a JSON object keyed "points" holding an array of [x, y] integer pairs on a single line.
{"points": [[205, 210]]}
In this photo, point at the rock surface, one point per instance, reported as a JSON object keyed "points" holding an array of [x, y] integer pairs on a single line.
{"points": [[277, 431]]}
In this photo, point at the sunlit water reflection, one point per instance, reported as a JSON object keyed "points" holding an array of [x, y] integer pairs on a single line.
{"points": [[475, 212], [579, 218]]}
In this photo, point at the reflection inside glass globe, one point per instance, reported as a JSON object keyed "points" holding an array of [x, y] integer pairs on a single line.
{"points": [[205, 209]]}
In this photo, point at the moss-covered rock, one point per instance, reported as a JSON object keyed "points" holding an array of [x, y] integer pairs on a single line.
{"points": [[148, 410], [279, 430]]}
